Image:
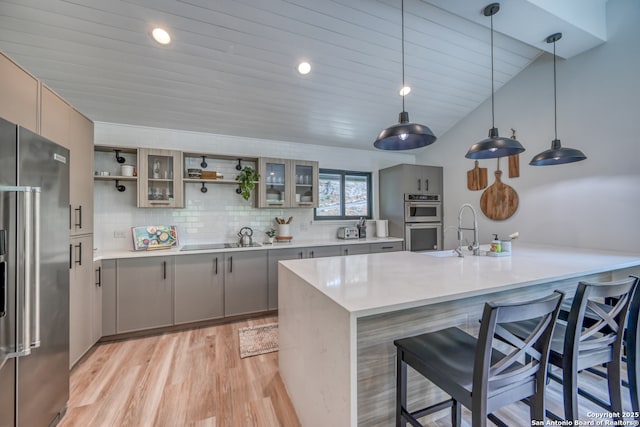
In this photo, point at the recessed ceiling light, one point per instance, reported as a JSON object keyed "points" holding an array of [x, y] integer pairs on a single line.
{"points": [[304, 68], [161, 35], [405, 90]]}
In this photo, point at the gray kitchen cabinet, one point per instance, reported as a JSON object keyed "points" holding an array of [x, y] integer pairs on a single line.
{"points": [[275, 256], [19, 89], [83, 298], [413, 179], [286, 183], [199, 287], [245, 282], [160, 179], [144, 293], [292, 253], [61, 123], [357, 249], [107, 278], [385, 247]]}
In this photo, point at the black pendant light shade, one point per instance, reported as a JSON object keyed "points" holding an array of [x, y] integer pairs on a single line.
{"points": [[494, 146], [557, 154], [404, 135]]}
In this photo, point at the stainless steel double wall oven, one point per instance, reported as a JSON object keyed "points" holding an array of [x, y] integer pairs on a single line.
{"points": [[423, 222]]}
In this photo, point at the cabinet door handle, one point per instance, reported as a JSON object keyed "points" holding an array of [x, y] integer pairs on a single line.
{"points": [[164, 270], [300, 254], [79, 246], [387, 247], [79, 211], [99, 281], [70, 256], [3, 288], [216, 263], [426, 185], [346, 251], [70, 222], [419, 185], [230, 264], [311, 254]]}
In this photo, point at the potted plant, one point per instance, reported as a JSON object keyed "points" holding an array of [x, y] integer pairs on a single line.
{"points": [[246, 181], [271, 233]]}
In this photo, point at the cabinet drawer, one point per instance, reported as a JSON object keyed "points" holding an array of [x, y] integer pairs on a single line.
{"points": [[386, 247]]}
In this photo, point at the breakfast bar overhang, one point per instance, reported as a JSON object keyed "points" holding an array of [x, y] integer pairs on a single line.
{"points": [[339, 316]]}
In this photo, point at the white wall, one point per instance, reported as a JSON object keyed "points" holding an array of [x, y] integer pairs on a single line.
{"points": [[594, 203], [220, 213]]}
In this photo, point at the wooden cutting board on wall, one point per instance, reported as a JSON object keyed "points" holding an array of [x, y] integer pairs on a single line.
{"points": [[499, 201], [477, 178]]}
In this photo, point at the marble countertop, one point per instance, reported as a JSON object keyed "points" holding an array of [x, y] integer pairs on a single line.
{"points": [[292, 244], [379, 283]]}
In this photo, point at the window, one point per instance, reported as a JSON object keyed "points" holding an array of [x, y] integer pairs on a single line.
{"points": [[343, 195]]}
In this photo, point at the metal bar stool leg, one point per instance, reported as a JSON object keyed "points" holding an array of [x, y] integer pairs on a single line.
{"points": [[401, 388]]}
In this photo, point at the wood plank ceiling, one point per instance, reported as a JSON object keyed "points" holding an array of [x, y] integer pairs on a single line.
{"points": [[231, 68]]}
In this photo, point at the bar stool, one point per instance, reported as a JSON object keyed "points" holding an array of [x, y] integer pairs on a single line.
{"points": [[592, 335], [473, 372], [630, 349]]}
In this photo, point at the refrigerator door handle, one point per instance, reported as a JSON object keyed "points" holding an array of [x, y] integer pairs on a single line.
{"points": [[35, 342], [31, 211]]}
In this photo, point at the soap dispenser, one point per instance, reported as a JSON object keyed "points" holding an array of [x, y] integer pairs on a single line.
{"points": [[496, 246]]}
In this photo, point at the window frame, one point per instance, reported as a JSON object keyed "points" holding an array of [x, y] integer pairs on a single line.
{"points": [[343, 174]]}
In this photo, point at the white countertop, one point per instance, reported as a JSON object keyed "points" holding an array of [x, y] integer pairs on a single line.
{"points": [[292, 244], [379, 283]]}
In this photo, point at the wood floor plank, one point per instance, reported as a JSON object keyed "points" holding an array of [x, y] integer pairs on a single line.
{"points": [[187, 378]]}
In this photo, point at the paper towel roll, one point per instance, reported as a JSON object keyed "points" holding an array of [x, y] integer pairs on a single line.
{"points": [[382, 228]]}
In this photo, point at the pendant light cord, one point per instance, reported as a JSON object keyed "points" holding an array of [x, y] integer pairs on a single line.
{"points": [[555, 96], [402, 22], [493, 124]]}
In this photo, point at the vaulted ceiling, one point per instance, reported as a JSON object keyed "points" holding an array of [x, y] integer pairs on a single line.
{"points": [[231, 66]]}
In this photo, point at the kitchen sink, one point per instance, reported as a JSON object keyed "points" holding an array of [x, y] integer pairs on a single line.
{"points": [[206, 246]]}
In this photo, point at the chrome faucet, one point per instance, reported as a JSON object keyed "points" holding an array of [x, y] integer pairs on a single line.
{"points": [[475, 246]]}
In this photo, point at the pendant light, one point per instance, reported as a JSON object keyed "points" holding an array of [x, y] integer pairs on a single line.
{"points": [[405, 135], [557, 154], [494, 146]]}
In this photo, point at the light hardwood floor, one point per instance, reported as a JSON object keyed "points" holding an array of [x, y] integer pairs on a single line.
{"points": [[186, 378], [196, 378]]}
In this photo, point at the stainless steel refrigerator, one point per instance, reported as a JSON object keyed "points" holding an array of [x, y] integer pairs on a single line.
{"points": [[34, 278]]}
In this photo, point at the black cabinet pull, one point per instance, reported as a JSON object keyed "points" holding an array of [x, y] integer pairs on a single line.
{"points": [[79, 246], [230, 264], [70, 256], [216, 262], [346, 251], [419, 185], [300, 254], [79, 211], [387, 247], [311, 254], [3, 288], [164, 270], [70, 222], [99, 281], [426, 185]]}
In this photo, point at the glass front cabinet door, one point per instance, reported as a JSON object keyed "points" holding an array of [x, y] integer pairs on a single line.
{"points": [[287, 183], [304, 175], [160, 179], [274, 183]]}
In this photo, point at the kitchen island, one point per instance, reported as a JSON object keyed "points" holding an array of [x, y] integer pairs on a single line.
{"points": [[339, 316]]}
